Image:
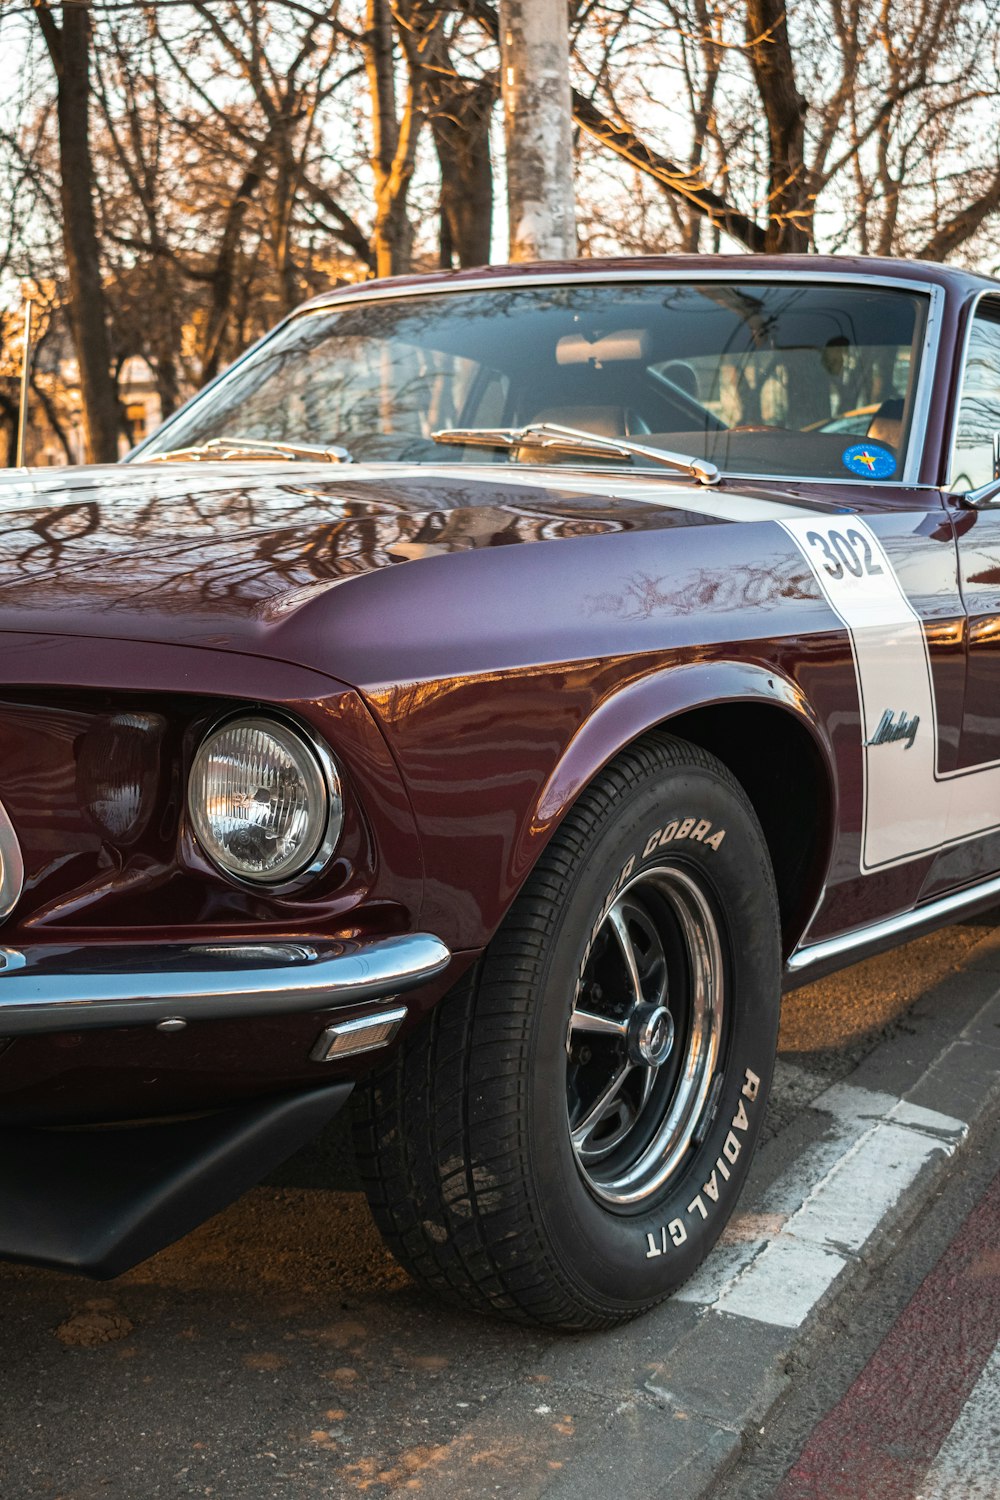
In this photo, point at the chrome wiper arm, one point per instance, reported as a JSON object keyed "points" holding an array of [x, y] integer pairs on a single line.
{"points": [[223, 449], [573, 440]]}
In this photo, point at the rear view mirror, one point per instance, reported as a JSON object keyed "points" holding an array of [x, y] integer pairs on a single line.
{"points": [[611, 348]]}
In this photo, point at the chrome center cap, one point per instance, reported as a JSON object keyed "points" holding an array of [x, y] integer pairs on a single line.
{"points": [[651, 1035]]}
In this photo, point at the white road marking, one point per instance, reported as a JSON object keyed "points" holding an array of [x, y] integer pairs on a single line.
{"points": [[783, 1284], [968, 1462], [824, 1208], [909, 807]]}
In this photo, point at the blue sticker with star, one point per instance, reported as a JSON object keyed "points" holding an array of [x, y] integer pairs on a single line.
{"points": [[869, 460]]}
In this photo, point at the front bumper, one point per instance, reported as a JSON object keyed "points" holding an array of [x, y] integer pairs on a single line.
{"points": [[60, 989]]}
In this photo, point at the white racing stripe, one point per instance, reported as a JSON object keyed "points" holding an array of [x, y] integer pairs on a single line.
{"points": [[968, 1463], [824, 1209], [698, 500], [910, 808]]}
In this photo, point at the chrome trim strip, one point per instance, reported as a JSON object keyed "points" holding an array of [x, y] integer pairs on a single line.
{"points": [[987, 497], [11, 865], [973, 498], [343, 297], [69, 989], [863, 939], [370, 292]]}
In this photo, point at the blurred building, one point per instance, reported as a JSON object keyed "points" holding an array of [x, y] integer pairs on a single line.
{"points": [[55, 413]]}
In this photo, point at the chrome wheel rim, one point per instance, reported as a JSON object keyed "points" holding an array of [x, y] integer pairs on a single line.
{"points": [[644, 1036]]}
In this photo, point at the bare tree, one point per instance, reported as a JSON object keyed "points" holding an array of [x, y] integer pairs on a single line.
{"points": [[69, 48], [250, 168], [869, 123], [458, 91], [395, 131]]}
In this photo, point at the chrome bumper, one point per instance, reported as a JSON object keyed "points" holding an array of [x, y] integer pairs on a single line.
{"points": [[68, 989]]}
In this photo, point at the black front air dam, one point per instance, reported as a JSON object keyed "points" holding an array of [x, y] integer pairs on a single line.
{"points": [[98, 1201]]}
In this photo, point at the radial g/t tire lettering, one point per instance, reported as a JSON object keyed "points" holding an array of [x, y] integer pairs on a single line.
{"points": [[565, 1138]]}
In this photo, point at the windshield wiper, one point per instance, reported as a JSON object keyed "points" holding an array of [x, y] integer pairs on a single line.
{"points": [[223, 449], [572, 440]]}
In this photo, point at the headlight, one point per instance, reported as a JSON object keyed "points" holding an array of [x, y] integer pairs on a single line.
{"points": [[264, 803]]}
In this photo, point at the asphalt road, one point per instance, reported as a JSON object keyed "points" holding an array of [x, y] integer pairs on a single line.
{"points": [[279, 1352]]}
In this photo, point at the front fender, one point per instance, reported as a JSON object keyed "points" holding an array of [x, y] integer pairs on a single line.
{"points": [[654, 702], [648, 704], [493, 763]]}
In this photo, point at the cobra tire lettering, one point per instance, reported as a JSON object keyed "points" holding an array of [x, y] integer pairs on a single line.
{"points": [[675, 1232], [696, 830]]}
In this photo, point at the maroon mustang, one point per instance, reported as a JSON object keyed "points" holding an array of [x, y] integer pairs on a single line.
{"points": [[479, 701]]}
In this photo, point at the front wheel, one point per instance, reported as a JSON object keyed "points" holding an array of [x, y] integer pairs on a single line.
{"points": [[565, 1139]]}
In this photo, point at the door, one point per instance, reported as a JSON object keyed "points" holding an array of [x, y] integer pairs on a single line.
{"points": [[976, 787]]}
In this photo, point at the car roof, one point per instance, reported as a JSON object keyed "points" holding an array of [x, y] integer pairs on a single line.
{"points": [[884, 267]]}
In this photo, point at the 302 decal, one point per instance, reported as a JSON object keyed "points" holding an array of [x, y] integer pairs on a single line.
{"points": [[911, 808], [841, 551]]}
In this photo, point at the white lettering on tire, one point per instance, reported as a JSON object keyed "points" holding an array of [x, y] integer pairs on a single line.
{"points": [[676, 1231], [694, 829]]}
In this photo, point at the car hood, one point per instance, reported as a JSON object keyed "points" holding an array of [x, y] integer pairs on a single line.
{"points": [[238, 556]]}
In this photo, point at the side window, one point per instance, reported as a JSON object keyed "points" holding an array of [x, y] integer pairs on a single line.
{"points": [[979, 408]]}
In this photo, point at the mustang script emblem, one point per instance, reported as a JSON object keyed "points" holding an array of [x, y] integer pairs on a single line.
{"points": [[890, 729]]}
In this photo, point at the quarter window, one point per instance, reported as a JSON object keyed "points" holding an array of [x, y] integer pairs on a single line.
{"points": [[976, 436]]}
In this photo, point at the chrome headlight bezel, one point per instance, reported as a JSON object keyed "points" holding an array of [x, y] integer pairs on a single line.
{"points": [[11, 865], [320, 762]]}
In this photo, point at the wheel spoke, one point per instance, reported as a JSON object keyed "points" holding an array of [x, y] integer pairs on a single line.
{"points": [[647, 1088], [619, 926], [662, 982], [644, 1045], [588, 1020], [598, 1111]]}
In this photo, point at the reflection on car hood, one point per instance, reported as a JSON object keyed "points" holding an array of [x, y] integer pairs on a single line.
{"points": [[225, 554]]}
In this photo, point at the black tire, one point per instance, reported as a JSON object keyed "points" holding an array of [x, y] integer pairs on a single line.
{"points": [[464, 1137]]}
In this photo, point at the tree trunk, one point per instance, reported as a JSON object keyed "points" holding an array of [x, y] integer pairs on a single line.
{"points": [[69, 48], [393, 145], [534, 67], [167, 386], [8, 426], [223, 276], [460, 124], [789, 202]]}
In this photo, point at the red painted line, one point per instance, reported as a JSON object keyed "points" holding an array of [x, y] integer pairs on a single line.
{"points": [[881, 1438]]}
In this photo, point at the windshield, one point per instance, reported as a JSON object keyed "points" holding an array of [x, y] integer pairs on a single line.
{"points": [[789, 378]]}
